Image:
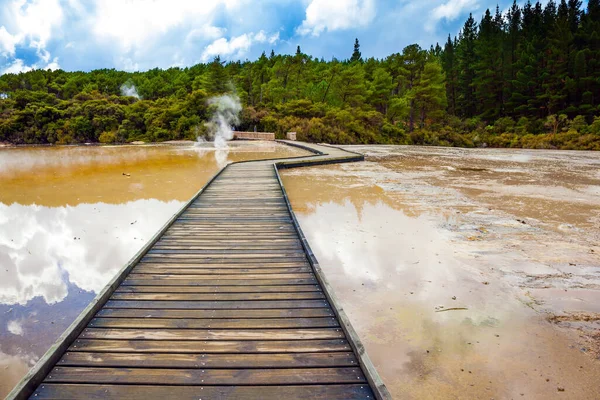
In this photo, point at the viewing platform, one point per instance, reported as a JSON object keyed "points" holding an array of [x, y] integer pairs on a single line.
{"points": [[253, 135]]}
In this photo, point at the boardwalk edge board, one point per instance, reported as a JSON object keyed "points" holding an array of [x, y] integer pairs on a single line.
{"points": [[36, 376]]}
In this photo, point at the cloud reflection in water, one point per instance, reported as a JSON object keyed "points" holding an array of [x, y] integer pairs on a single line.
{"points": [[44, 248]]}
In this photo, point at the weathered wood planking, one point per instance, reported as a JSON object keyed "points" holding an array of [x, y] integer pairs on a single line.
{"points": [[226, 302]]}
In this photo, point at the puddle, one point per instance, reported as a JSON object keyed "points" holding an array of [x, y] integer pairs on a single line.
{"points": [[451, 277]]}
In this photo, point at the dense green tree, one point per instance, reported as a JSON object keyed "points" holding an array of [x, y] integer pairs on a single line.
{"points": [[450, 65], [467, 58], [356, 56], [528, 78]]}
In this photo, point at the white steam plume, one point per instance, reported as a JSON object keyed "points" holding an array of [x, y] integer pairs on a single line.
{"points": [[128, 89], [226, 115]]}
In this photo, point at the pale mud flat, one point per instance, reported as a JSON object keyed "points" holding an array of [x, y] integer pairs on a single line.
{"points": [[468, 273], [71, 217]]}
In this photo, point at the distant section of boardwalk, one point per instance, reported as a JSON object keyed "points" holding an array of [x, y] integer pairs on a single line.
{"points": [[254, 135], [227, 301]]}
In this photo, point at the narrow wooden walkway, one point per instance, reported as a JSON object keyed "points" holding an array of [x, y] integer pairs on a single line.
{"points": [[227, 302]]}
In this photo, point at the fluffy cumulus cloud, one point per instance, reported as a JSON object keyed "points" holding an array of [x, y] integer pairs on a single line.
{"points": [[28, 25], [237, 46], [144, 34], [15, 67], [133, 22], [322, 15], [7, 42], [450, 11]]}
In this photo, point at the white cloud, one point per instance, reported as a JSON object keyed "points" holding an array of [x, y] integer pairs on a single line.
{"points": [[322, 15], [260, 37], [29, 23], [205, 32], [7, 42], [52, 66], [274, 38], [450, 10], [132, 22], [236, 46], [34, 20], [17, 66]]}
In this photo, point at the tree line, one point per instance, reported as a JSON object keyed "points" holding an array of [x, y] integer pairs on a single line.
{"points": [[527, 78]]}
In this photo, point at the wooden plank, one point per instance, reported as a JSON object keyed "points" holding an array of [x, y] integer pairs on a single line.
{"points": [[250, 186], [243, 253], [233, 234], [133, 392], [157, 258], [223, 265], [218, 282], [216, 314], [267, 226], [230, 247], [232, 323], [264, 228], [229, 243], [191, 277], [221, 209], [239, 197], [219, 271], [234, 212], [218, 296], [214, 346], [163, 376], [232, 190], [236, 215], [229, 235], [238, 203], [219, 289], [273, 232], [216, 305], [223, 219], [212, 334], [135, 360], [270, 232], [224, 257], [256, 218]]}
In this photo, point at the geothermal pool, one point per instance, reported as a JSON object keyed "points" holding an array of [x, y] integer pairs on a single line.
{"points": [[71, 217], [468, 273]]}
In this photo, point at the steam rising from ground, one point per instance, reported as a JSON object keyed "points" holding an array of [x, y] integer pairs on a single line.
{"points": [[227, 109], [128, 89]]}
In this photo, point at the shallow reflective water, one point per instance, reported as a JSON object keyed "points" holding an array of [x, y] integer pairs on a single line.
{"points": [[71, 217], [467, 273]]}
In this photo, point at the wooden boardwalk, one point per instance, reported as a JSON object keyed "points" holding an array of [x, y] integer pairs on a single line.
{"points": [[226, 302]]}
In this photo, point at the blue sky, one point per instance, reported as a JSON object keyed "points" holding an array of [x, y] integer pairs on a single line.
{"points": [[143, 34]]}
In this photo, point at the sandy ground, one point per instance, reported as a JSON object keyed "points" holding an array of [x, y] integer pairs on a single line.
{"points": [[468, 273]]}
